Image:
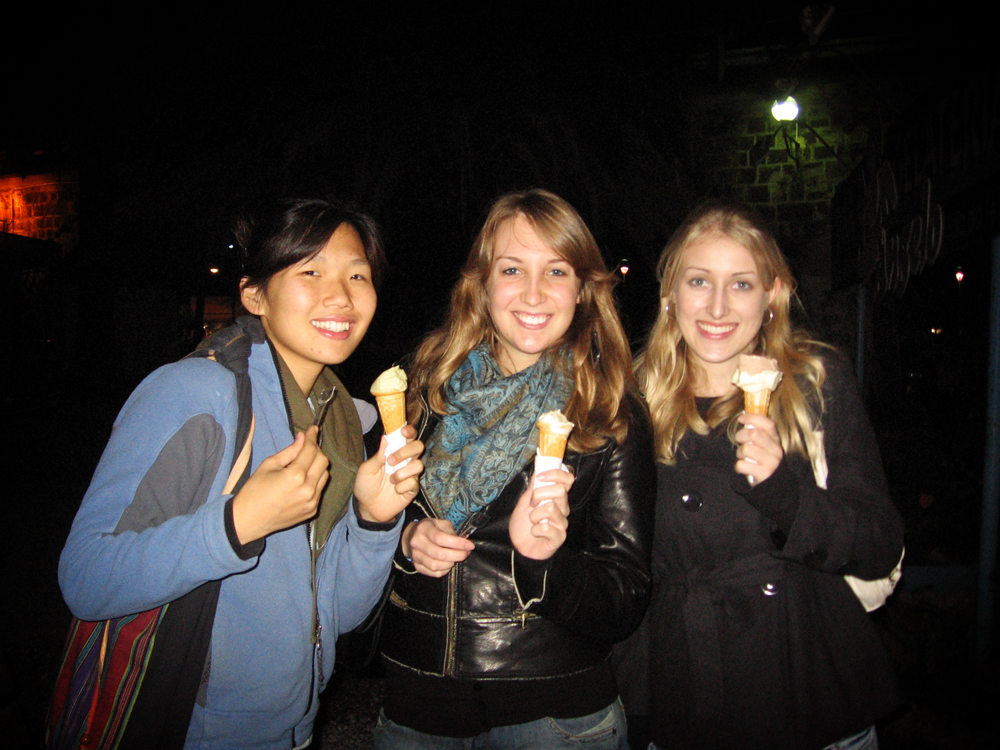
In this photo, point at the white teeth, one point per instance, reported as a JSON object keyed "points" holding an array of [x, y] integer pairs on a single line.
{"points": [[332, 325], [709, 328], [531, 320]]}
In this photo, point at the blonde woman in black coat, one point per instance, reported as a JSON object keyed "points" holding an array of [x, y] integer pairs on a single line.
{"points": [[754, 637]]}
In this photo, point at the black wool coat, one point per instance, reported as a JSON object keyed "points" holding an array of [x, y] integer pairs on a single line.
{"points": [[753, 638]]}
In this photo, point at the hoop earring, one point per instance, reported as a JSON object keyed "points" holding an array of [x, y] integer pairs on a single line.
{"points": [[770, 317]]}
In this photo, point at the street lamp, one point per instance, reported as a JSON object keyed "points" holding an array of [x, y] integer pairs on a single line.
{"points": [[786, 110]]}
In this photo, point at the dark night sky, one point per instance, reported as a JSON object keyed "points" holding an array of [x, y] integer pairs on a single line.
{"points": [[179, 119]]}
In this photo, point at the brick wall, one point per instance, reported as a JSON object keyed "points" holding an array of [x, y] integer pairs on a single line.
{"points": [[791, 182], [40, 206]]}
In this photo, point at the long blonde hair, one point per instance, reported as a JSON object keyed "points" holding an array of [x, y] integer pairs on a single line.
{"points": [[598, 357], [667, 374]]}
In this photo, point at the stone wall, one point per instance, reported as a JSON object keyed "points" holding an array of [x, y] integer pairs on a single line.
{"points": [[40, 206], [789, 173]]}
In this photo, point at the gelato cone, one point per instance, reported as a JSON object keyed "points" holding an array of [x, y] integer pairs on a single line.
{"points": [[553, 432], [392, 409], [758, 377], [389, 390], [756, 402]]}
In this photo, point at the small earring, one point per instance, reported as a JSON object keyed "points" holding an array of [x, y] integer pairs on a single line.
{"points": [[666, 308], [595, 347], [770, 317]]}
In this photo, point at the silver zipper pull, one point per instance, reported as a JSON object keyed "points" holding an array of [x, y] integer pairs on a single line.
{"points": [[322, 404]]}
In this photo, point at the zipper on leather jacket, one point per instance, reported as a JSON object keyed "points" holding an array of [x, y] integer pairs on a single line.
{"points": [[451, 621], [465, 529]]}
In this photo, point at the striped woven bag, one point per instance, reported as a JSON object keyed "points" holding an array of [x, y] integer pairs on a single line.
{"points": [[104, 663], [99, 679]]}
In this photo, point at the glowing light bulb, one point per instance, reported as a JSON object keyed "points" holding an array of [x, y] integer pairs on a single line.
{"points": [[786, 110]]}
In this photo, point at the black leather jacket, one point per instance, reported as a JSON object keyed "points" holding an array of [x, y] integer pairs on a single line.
{"points": [[500, 615]]}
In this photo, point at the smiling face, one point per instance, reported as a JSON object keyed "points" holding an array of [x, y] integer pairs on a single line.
{"points": [[532, 292], [317, 311], [720, 303]]}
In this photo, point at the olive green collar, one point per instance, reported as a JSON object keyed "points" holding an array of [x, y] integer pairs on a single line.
{"points": [[341, 441]]}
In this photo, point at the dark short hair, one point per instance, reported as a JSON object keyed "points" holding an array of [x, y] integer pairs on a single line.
{"points": [[279, 234]]}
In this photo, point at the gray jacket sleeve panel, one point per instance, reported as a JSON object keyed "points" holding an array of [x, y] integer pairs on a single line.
{"points": [[178, 482], [147, 532]]}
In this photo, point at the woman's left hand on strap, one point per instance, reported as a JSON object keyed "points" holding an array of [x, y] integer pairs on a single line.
{"points": [[381, 497], [759, 450], [539, 522]]}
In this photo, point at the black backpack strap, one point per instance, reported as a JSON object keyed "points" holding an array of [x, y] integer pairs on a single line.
{"points": [[230, 347], [177, 664]]}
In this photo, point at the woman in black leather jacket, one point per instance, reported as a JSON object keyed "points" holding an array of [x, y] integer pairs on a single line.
{"points": [[507, 599]]}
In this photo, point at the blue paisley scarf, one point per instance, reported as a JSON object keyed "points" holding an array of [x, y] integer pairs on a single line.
{"points": [[489, 433]]}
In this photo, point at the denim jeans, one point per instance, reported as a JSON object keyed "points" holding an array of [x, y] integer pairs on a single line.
{"points": [[866, 740], [603, 730]]}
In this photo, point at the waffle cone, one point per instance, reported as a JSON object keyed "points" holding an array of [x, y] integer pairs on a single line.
{"points": [[756, 402], [392, 409], [551, 444]]}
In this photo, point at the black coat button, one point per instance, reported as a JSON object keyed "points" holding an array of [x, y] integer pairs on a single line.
{"points": [[691, 501]]}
